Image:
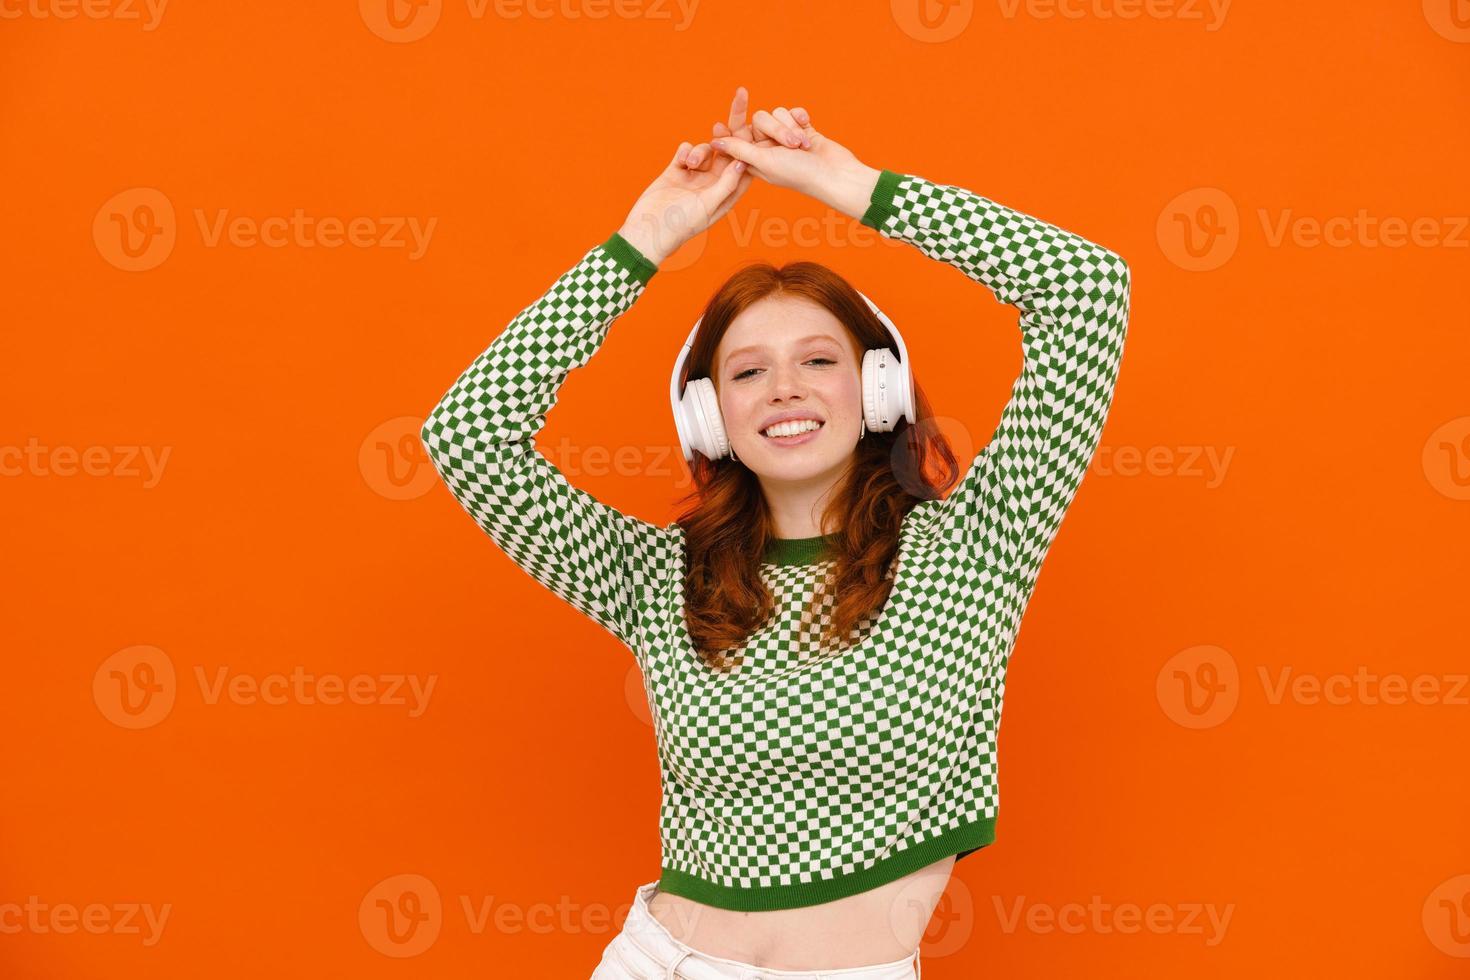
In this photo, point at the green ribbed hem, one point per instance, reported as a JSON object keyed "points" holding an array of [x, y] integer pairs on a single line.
{"points": [[630, 258], [962, 841], [881, 206]]}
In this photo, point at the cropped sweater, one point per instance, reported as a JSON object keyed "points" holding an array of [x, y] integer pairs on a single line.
{"points": [[808, 774]]}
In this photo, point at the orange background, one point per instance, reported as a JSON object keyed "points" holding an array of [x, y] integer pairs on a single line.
{"points": [[293, 527]]}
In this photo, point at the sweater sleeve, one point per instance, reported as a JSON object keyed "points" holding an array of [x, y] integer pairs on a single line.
{"points": [[1073, 298], [480, 437]]}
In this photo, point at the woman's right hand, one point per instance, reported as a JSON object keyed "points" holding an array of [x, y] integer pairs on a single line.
{"points": [[696, 189]]}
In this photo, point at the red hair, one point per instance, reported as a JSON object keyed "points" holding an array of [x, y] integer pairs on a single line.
{"points": [[728, 525]]}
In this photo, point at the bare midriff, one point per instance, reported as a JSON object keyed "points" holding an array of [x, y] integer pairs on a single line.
{"points": [[881, 925]]}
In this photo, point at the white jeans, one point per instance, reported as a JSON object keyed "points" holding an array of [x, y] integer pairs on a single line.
{"points": [[645, 950]]}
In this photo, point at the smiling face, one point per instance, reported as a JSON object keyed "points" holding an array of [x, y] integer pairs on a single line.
{"points": [[782, 357]]}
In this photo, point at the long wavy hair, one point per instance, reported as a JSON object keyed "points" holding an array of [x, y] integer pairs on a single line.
{"points": [[728, 525]]}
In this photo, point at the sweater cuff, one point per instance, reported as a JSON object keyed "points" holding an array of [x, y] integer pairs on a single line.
{"points": [[881, 206], [622, 251]]}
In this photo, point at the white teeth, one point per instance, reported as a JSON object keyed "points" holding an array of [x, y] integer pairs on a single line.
{"points": [[793, 428]]}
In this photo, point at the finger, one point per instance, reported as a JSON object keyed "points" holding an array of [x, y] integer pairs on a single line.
{"points": [[720, 129], [802, 116], [784, 115], [699, 158], [723, 186], [747, 132], [742, 150], [680, 155], [776, 129], [738, 107]]}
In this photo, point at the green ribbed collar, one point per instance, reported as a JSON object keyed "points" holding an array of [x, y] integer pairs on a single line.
{"points": [[799, 551]]}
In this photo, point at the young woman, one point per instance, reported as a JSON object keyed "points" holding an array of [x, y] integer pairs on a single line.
{"points": [[823, 636]]}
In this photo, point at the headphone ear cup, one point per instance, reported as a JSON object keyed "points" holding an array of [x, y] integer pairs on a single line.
{"points": [[709, 428], [885, 401]]}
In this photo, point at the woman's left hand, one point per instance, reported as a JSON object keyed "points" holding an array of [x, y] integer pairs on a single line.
{"points": [[786, 150]]}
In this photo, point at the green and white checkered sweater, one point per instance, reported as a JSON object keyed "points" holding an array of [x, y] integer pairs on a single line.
{"points": [[808, 774]]}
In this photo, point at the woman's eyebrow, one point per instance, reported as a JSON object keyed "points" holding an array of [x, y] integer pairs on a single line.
{"points": [[815, 336]]}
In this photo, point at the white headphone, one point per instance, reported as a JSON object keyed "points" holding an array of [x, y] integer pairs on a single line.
{"points": [[888, 395]]}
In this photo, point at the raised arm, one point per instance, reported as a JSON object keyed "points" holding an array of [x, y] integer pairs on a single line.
{"points": [[1073, 299], [481, 435], [481, 438]]}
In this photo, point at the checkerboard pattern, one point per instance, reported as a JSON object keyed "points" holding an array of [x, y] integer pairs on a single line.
{"points": [[810, 773]]}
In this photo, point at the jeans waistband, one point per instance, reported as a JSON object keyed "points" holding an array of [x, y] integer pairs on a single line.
{"points": [[683, 962]]}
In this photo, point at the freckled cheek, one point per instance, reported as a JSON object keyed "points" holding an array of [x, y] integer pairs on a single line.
{"points": [[739, 413], [844, 398]]}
